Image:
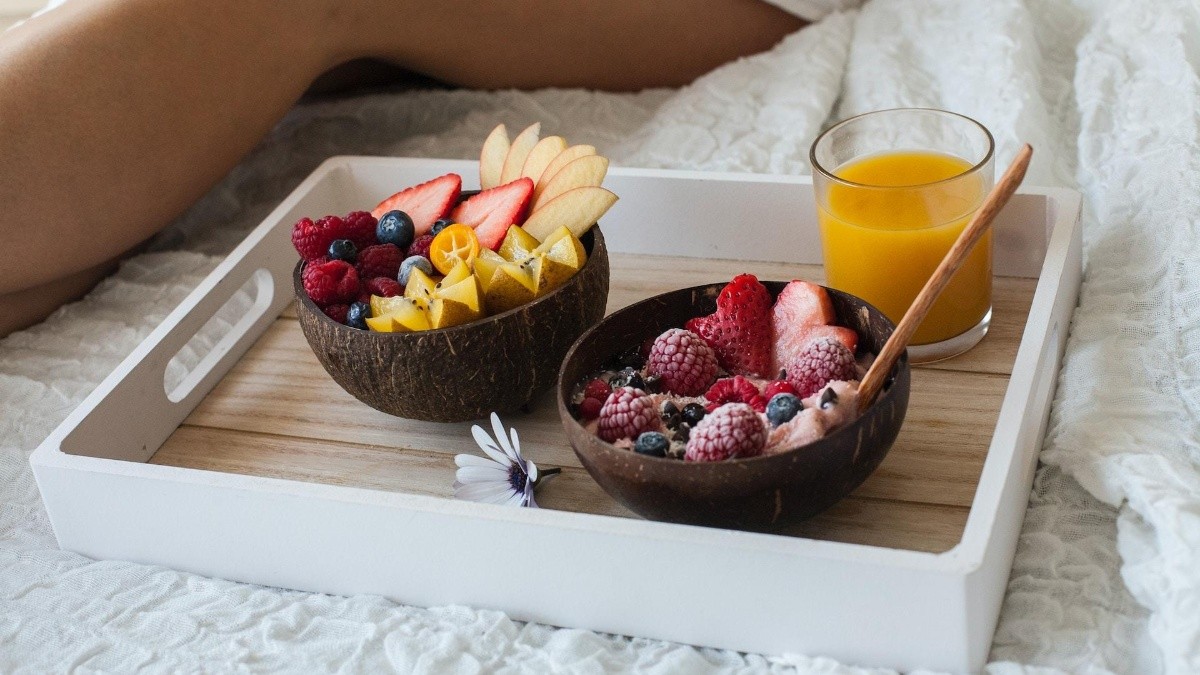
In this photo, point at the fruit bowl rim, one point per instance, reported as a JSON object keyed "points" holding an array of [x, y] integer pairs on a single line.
{"points": [[889, 391], [302, 297]]}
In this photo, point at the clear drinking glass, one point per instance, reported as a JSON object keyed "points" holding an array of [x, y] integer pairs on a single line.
{"points": [[894, 190]]}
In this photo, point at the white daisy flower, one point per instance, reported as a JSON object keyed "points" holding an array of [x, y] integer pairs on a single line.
{"points": [[504, 476]]}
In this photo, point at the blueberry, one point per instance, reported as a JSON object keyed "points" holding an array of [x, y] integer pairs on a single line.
{"points": [[783, 407], [395, 227], [629, 378], [343, 249], [670, 415], [439, 225], [358, 314], [683, 433], [420, 262], [693, 413], [652, 443]]}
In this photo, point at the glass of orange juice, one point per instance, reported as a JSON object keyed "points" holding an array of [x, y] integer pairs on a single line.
{"points": [[894, 189]]}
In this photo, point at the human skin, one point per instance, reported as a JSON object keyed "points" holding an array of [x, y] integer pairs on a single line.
{"points": [[117, 115]]}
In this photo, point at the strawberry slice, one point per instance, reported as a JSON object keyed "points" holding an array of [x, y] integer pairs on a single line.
{"points": [[491, 212], [740, 330], [802, 313], [424, 203]]}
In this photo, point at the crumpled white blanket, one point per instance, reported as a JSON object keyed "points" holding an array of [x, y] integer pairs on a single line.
{"points": [[1107, 574]]}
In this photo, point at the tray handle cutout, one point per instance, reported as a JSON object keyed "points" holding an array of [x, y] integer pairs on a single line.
{"points": [[195, 360], [159, 384]]}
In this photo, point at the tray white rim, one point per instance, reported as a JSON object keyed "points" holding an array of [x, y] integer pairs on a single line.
{"points": [[960, 562], [961, 559]]}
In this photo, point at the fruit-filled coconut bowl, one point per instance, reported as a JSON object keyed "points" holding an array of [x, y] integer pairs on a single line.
{"points": [[446, 305], [464, 372], [747, 462]]}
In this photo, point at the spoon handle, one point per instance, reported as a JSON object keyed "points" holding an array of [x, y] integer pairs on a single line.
{"points": [[877, 374]]}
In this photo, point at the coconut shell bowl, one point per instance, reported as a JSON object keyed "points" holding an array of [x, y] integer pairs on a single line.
{"points": [[757, 493], [498, 363]]}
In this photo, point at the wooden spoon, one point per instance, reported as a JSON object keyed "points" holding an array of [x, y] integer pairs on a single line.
{"points": [[878, 373]]}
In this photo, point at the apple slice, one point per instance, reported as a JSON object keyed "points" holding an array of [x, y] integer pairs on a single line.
{"points": [[542, 154], [491, 158], [576, 209], [518, 152], [564, 158], [587, 171]]}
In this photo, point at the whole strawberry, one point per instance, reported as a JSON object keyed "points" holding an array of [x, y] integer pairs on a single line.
{"points": [[686, 364], [627, 413], [824, 360], [330, 283], [740, 330], [731, 431], [736, 389]]}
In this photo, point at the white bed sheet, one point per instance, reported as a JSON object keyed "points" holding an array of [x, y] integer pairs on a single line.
{"points": [[1106, 575]]}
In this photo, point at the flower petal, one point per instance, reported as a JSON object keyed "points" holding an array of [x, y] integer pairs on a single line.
{"points": [[479, 474], [502, 438], [476, 460], [489, 446], [517, 499], [482, 492], [531, 471], [516, 442], [501, 498]]}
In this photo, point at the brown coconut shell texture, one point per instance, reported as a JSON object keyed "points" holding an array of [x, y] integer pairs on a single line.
{"points": [[465, 372], [759, 493]]}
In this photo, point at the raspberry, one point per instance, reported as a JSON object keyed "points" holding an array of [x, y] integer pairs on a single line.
{"points": [[420, 246], [385, 287], [732, 430], [311, 242], [589, 408], [736, 389], [330, 283], [337, 312], [822, 361], [778, 387], [360, 229], [597, 389], [627, 413], [686, 364], [380, 260]]}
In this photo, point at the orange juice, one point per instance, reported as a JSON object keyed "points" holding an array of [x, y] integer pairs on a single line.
{"points": [[888, 225]]}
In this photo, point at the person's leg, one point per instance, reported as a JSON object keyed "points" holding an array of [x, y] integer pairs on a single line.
{"points": [[116, 115]]}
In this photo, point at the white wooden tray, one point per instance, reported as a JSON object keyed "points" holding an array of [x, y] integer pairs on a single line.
{"points": [[885, 605]]}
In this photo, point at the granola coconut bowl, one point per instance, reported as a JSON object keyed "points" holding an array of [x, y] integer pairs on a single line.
{"points": [[759, 493]]}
